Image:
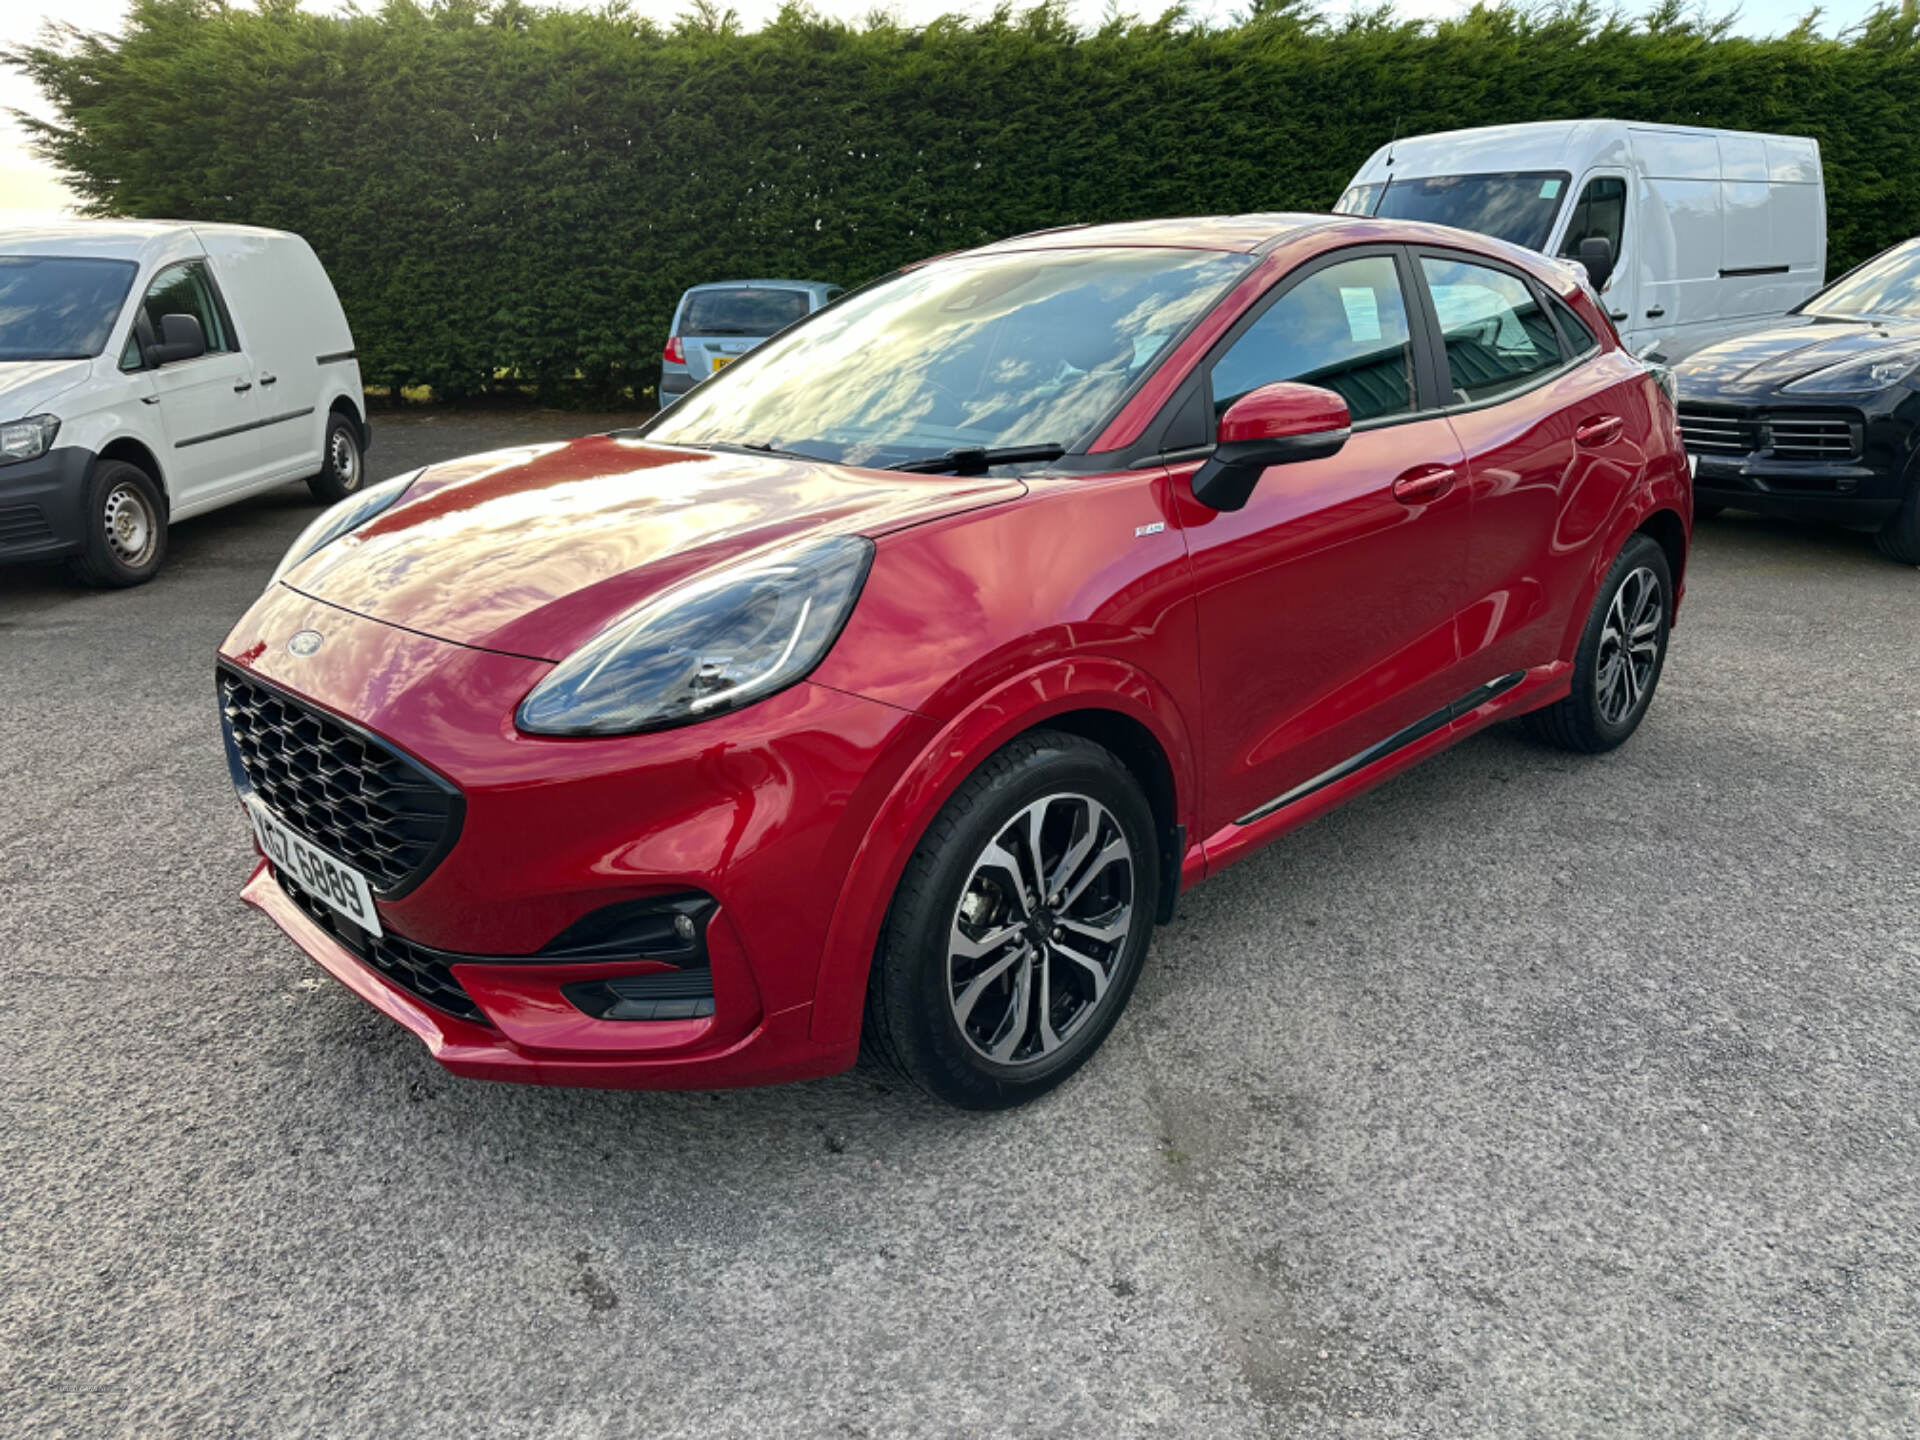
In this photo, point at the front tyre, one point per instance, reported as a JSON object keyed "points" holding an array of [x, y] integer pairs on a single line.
{"points": [[1899, 538], [345, 470], [126, 534], [1621, 654], [1019, 926]]}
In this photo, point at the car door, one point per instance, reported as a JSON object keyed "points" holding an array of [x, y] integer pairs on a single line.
{"points": [[1545, 419], [1326, 607], [208, 405]]}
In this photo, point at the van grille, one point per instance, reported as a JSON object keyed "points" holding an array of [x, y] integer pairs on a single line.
{"points": [[23, 525]]}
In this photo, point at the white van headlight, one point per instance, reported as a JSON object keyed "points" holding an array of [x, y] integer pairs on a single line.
{"points": [[349, 515], [27, 439]]}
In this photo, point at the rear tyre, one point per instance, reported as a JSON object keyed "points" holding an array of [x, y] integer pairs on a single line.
{"points": [[345, 470], [1019, 927], [126, 536], [1622, 651], [1899, 538]]}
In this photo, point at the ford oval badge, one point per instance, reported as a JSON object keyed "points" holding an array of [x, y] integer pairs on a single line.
{"points": [[305, 643]]}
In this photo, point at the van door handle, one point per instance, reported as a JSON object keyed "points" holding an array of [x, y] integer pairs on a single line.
{"points": [[1656, 312], [149, 399], [243, 387], [266, 380], [1603, 430], [1616, 314], [1422, 484]]}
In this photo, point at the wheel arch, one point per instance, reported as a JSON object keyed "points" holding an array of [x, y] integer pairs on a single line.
{"points": [[134, 452], [1667, 529], [343, 405], [1107, 701]]}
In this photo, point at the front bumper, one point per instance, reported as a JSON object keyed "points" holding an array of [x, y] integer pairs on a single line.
{"points": [[43, 505], [1861, 484], [762, 811]]}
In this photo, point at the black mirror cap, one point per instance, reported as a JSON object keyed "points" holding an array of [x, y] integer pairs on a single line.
{"points": [[1596, 253], [180, 339], [1226, 480]]}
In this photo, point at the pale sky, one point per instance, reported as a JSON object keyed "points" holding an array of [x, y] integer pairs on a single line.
{"points": [[28, 189]]}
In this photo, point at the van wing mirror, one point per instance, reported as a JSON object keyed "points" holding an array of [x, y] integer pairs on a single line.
{"points": [[180, 339], [1596, 253], [1278, 424]]}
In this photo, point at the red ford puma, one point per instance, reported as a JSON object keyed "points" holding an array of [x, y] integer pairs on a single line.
{"points": [[895, 681]]}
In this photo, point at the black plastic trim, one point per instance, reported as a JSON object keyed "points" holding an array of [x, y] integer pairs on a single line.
{"points": [[457, 800], [1399, 740], [337, 357], [242, 429], [1754, 270]]}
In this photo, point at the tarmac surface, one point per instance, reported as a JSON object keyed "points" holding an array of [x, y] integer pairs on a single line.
{"points": [[1529, 1095]]}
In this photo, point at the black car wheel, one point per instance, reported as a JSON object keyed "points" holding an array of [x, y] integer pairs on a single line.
{"points": [[1899, 538], [1622, 651], [1019, 928]]}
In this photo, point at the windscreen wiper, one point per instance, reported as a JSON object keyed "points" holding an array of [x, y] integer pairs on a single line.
{"points": [[977, 460]]}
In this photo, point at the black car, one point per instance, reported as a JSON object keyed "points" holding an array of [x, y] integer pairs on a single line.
{"points": [[1818, 418]]}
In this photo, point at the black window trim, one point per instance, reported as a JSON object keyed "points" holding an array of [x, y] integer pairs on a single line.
{"points": [[1426, 393], [219, 301], [1437, 354]]}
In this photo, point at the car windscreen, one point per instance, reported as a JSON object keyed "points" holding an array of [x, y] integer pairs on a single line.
{"points": [[1519, 207], [1889, 285], [744, 310], [1358, 200], [59, 307], [988, 351]]}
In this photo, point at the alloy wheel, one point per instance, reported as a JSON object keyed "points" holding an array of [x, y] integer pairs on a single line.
{"points": [[132, 529], [1040, 929], [1629, 646]]}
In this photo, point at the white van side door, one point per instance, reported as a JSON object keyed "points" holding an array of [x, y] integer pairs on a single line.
{"points": [[1680, 234], [275, 284], [207, 405]]}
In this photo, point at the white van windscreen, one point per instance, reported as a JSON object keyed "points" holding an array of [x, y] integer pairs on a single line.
{"points": [[1519, 206]]}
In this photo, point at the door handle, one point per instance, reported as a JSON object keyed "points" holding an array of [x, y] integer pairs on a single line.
{"points": [[266, 380], [1616, 314], [149, 399], [1423, 484], [1602, 430], [243, 387], [1656, 312]]}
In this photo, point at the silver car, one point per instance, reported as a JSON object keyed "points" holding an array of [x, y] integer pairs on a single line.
{"points": [[716, 324]]}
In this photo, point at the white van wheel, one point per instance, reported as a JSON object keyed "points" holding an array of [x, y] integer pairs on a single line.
{"points": [[345, 470], [126, 528]]}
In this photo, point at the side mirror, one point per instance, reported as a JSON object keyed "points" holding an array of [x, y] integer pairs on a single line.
{"points": [[180, 339], [1277, 424], [1596, 253]]}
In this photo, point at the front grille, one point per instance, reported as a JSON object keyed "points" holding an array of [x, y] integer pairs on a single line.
{"points": [[23, 525], [422, 973], [1819, 438], [361, 800], [1711, 434]]}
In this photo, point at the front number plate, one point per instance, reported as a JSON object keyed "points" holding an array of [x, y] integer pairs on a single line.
{"points": [[314, 871]]}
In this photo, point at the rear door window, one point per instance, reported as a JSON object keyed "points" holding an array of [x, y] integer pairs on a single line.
{"points": [[742, 310], [1497, 336], [1343, 328]]}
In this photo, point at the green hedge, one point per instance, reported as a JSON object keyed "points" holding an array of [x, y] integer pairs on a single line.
{"points": [[501, 189]]}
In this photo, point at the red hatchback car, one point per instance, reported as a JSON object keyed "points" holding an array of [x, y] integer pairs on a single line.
{"points": [[894, 683]]}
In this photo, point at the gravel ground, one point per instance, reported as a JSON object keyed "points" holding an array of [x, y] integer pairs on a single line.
{"points": [[1527, 1096]]}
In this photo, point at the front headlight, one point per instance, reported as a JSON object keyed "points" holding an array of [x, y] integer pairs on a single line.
{"points": [[1853, 377], [27, 439], [720, 642], [350, 514]]}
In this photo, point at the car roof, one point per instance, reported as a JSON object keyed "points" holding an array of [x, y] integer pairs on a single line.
{"points": [[1246, 234], [763, 285], [110, 239]]}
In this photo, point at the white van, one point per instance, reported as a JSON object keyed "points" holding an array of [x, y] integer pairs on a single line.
{"points": [[1712, 232], [153, 370]]}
